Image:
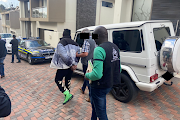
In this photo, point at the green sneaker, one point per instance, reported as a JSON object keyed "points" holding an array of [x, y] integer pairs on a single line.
{"points": [[68, 96]]}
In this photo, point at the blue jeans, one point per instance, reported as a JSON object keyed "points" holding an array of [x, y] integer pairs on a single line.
{"points": [[15, 53], [2, 66], [86, 82], [98, 102]]}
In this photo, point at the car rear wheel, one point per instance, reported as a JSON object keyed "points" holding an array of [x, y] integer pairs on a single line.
{"points": [[126, 91], [30, 60]]}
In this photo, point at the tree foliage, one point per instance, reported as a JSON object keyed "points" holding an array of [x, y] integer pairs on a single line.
{"points": [[2, 8]]}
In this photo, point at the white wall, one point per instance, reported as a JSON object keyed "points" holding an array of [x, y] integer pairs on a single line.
{"points": [[126, 11], [104, 15], [123, 11], [70, 17], [52, 37], [1, 28], [23, 29], [16, 31]]}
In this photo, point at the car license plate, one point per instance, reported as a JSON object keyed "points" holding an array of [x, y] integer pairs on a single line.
{"points": [[48, 57]]}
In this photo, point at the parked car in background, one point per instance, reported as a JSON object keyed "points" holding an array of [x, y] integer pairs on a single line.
{"points": [[8, 37], [149, 52], [35, 50], [5, 35], [9, 46]]}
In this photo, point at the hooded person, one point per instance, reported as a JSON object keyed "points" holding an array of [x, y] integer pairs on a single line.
{"points": [[5, 103], [65, 61], [105, 73]]}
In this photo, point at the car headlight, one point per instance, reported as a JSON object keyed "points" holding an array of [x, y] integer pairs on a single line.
{"points": [[35, 52]]}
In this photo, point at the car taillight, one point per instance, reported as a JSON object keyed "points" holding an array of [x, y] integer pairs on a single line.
{"points": [[154, 77]]}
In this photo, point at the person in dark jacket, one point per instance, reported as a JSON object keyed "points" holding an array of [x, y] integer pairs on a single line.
{"points": [[65, 61], [3, 53], [5, 104], [15, 43], [105, 73]]}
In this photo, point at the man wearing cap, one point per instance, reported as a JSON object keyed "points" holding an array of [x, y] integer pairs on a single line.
{"points": [[105, 73], [65, 61]]}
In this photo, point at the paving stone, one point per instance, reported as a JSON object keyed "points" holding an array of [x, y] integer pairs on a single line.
{"points": [[33, 85]]}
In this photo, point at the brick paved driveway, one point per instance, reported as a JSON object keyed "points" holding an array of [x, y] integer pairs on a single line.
{"points": [[34, 95]]}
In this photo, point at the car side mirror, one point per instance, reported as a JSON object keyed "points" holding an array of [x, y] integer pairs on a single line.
{"points": [[49, 44]]}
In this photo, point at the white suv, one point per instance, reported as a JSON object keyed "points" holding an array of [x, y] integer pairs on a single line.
{"points": [[149, 55]]}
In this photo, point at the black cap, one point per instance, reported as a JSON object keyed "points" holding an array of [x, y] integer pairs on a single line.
{"points": [[67, 32], [14, 36]]}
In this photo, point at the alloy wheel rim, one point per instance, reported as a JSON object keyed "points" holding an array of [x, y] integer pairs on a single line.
{"points": [[121, 91], [29, 59]]}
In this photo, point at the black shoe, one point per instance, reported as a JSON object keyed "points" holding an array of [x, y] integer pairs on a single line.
{"points": [[12, 62], [18, 62], [2, 76]]}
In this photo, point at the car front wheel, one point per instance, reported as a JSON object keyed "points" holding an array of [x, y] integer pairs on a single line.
{"points": [[126, 91], [30, 61]]}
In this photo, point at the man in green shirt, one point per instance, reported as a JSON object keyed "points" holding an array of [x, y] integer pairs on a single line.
{"points": [[105, 73]]}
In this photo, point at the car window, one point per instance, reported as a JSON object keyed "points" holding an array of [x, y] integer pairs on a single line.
{"points": [[128, 40], [6, 35], [22, 44], [160, 34], [36, 43], [19, 40], [79, 41]]}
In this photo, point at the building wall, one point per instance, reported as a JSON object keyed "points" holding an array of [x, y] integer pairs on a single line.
{"points": [[52, 37], [1, 28], [16, 31], [14, 19], [166, 10], [86, 13]]}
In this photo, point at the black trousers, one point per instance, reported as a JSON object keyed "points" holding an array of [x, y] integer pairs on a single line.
{"points": [[67, 73]]}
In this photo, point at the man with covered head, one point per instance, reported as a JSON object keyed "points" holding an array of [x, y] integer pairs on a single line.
{"points": [[86, 54], [105, 74], [65, 61]]}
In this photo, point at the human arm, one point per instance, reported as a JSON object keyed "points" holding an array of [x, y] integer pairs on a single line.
{"points": [[62, 52], [97, 72], [85, 50]]}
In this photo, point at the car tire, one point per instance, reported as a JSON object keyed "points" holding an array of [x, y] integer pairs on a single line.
{"points": [[125, 92], [30, 60]]}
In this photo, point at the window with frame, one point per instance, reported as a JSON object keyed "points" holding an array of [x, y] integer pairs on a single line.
{"points": [[128, 40], [107, 4], [160, 34], [79, 41]]}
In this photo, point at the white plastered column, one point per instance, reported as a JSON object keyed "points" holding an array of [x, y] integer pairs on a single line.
{"points": [[123, 11], [22, 15]]}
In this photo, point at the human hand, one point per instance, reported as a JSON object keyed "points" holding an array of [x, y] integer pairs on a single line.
{"points": [[85, 76], [74, 67], [77, 55]]}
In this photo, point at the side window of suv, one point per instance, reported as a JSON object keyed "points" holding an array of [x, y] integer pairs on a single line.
{"points": [[160, 34], [79, 41], [128, 40]]}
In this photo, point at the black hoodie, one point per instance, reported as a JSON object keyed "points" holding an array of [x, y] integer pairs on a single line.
{"points": [[5, 104]]}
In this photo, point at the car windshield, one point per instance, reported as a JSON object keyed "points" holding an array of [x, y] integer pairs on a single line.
{"points": [[36, 43], [6, 35]]}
